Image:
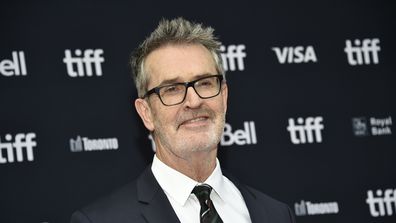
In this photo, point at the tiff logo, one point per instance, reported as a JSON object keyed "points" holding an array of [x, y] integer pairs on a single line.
{"points": [[363, 51], [383, 204], [80, 66], [298, 54], [305, 130], [233, 59], [11, 148], [245, 136], [14, 67]]}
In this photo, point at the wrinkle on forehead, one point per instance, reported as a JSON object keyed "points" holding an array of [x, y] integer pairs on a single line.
{"points": [[179, 63]]}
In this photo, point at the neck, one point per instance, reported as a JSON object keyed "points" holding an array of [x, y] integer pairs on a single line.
{"points": [[198, 165]]}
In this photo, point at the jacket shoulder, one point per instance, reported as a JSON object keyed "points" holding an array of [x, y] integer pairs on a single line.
{"points": [[116, 207], [275, 210], [264, 198]]}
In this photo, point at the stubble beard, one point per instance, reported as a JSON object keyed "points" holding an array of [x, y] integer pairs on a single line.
{"points": [[184, 145]]}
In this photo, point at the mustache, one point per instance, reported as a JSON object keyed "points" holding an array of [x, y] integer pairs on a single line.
{"points": [[192, 114]]}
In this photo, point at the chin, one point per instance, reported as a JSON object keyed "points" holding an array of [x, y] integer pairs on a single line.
{"points": [[201, 142]]}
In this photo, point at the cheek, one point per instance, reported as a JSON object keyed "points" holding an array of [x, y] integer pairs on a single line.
{"points": [[167, 118], [219, 107]]}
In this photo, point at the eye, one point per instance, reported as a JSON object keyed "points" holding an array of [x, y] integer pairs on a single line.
{"points": [[171, 89], [205, 83]]}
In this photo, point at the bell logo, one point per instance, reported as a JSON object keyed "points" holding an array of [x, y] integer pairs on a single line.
{"points": [[153, 147], [360, 53], [14, 67], [240, 137], [306, 129], [383, 204], [11, 148], [244, 136], [234, 53], [298, 54], [91, 59]]}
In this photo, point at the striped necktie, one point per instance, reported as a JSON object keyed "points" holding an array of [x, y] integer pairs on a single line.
{"points": [[208, 213]]}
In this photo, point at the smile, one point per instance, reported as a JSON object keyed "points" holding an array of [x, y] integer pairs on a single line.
{"points": [[195, 122]]}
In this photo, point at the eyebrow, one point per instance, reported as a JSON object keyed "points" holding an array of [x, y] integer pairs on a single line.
{"points": [[169, 81], [176, 79]]}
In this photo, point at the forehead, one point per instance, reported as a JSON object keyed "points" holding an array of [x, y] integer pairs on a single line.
{"points": [[181, 62]]}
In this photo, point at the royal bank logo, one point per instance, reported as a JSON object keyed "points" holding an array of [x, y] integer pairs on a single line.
{"points": [[233, 57], [296, 54], [360, 126], [18, 148], [372, 126], [85, 63], [81, 144], [383, 203], [308, 130], [305, 208], [245, 136], [14, 67], [362, 52]]}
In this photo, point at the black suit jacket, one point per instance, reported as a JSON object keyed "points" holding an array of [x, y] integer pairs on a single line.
{"points": [[143, 200]]}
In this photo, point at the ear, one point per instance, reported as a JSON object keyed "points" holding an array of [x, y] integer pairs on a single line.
{"points": [[144, 111], [224, 95]]}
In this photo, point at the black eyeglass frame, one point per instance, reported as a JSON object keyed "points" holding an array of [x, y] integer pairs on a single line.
{"points": [[156, 90]]}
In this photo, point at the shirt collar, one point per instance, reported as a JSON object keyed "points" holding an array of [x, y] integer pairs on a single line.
{"points": [[215, 180], [179, 186]]}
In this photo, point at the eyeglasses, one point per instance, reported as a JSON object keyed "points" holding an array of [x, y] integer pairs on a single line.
{"points": [[174, 94]]}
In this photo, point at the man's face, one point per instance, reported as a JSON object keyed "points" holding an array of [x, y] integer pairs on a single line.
{"points": [[194, 125]]}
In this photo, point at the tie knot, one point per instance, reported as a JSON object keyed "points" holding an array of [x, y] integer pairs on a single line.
{"points": [[202, 192]]}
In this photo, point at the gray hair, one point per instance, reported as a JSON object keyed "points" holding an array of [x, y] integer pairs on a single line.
{"points": [[176, 31]]}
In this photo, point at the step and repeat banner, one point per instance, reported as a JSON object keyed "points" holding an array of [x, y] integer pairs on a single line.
{"points": [[312, 103]]}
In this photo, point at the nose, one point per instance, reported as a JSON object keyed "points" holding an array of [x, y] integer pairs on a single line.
{"points": [[192, 99]]}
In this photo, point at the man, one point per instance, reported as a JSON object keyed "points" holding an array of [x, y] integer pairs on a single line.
{"points": [[183, 101]]}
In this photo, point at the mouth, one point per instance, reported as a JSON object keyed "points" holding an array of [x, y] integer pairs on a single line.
{"points": [[195, 122]]}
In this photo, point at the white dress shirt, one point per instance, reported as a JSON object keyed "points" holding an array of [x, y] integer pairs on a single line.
{"points": [[226, 197]]}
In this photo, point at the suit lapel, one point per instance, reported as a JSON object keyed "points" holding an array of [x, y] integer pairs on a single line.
{"points": [[154, 204], [256, 210]]}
